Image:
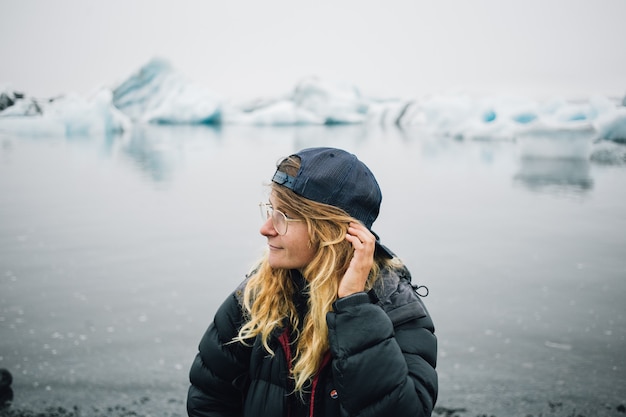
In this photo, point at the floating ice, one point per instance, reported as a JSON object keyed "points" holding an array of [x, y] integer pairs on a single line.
{"points": [[612, 125], [158, 94], [64, 116], [274, 113], [313, 102]]}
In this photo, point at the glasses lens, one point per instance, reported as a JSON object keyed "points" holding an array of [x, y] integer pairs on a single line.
{"points": [[264, 210], [280, 222]]}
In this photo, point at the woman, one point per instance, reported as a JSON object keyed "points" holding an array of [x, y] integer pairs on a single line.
{"points": [[328, 324]]}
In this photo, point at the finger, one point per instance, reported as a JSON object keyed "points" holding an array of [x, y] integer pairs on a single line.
{"points": [[356, 242], [362, 233]]}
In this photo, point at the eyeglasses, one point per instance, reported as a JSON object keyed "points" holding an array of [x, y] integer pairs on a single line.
{"points": [[279, 219]]}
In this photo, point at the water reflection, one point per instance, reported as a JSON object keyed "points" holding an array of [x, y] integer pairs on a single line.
{"points": [[157, 150], [558, 164], [555, 175]]}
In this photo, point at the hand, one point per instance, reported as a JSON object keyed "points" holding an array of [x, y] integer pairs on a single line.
{"points": [[364, 244]]}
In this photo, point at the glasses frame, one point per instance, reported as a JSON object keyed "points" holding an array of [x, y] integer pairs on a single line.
{"points": [[269, 212]]}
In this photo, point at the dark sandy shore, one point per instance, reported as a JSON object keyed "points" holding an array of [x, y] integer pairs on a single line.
{"points": [[162, 401], [142, 407], [122, 411], [146, 407]]}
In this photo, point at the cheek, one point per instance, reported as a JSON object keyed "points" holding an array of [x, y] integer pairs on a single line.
{"points": [[309, 252]]}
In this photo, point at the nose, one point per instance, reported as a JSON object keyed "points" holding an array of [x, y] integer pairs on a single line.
{"points": [[267, 229]]}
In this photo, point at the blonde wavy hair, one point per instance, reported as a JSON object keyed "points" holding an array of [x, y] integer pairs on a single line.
{"points": [[268, 295]]}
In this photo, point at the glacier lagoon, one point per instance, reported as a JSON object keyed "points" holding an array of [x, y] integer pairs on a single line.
{"points": [[116, 250]]}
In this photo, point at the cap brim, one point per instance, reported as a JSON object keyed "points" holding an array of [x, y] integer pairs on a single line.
{"points": [[382, 250]]}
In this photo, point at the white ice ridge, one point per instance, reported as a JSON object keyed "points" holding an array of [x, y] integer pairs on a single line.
{"points": [[159, 94]]}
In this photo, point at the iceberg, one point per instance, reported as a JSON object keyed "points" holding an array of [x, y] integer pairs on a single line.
{"points": [[333, 103], [612, 125], [312, 102], [69, 115], [509, 118], [14, 103], [282, 112], [159, 94]]}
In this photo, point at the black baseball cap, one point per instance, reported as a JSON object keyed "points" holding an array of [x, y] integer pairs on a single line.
{"points": [[338, 178]]}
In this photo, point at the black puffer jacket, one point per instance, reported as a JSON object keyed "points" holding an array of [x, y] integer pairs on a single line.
{"points": [[381, 361]]}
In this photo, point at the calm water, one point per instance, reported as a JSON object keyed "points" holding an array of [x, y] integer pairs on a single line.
{"points": [[115, 254]]}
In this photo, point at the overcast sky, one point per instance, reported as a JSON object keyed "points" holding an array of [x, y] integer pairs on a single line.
{"points": [[388, 48]]}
